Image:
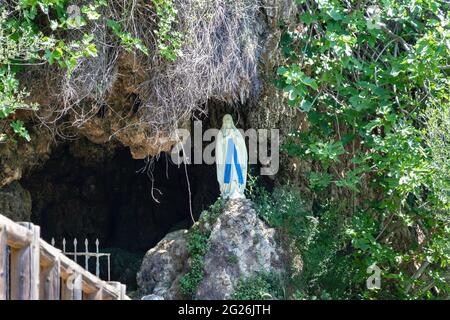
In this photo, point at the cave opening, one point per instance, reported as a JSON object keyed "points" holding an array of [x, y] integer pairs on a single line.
{"points": [[98, 191], [90, 191]]}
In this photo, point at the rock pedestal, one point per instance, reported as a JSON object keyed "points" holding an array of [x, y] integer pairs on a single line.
{"points": [[240, 246]]}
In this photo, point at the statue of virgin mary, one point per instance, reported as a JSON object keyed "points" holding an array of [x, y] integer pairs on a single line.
{"points": [[231, 160]]}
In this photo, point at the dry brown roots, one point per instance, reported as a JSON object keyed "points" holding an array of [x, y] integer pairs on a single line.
{"points": [[218, 61]]}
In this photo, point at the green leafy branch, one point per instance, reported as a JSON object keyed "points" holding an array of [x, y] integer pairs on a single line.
{"points": [[169, 40]]}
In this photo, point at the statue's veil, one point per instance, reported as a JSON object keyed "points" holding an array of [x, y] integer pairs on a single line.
{"points": [[224, 129]]}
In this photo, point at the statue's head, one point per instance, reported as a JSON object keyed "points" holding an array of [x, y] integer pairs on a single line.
{"points": [[227, 122]]}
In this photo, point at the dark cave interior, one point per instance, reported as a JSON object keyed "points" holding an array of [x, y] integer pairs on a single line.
{"points": [[112, 197], [98, 191], [90, 191]]}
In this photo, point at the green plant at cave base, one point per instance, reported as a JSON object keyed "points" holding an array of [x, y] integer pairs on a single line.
{"points": [[313, 238], [232, 259], [264, 286], [364, 75], [169, 40], [197, 248], [190, 281]]}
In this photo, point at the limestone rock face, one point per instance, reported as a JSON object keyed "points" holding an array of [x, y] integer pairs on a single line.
{"points": [[270, 110], [240, 246], [163, 266], [126, 115], [18, 157], [152, 297], [15, 202]]}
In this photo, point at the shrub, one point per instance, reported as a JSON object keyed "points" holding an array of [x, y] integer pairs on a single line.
{"points": [[197, 248], [364, 76], [316, 239], [284, 209], [263, 286]]}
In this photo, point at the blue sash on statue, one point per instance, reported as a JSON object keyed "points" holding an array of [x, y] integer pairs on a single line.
{"points": [[232, 152]]}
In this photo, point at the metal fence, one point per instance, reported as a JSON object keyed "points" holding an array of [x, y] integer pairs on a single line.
{"points": [[75, 254]]}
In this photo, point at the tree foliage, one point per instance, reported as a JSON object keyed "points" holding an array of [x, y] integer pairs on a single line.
{"points": [[365, 73], [38, 32], [26, 40]]}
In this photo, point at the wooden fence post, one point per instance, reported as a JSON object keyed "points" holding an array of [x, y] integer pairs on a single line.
{"points": [[3, 264], [25, 268], [123, 291], [71, 288], [66, 290], [35, 261], [50, 281], [20, 273], [117, 287], [77, 288]]}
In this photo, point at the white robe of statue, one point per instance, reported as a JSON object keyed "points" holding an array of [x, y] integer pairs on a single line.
{"points": [[231, 160]]}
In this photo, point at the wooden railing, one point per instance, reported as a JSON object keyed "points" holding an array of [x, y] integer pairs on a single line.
{"points": [[32, 269]]}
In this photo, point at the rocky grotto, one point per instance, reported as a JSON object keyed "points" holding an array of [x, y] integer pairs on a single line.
{"points": [[99, 167], [93, 95]]}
